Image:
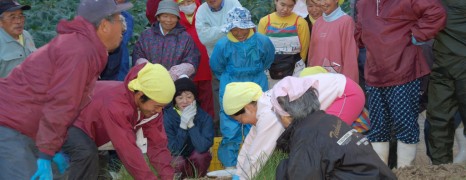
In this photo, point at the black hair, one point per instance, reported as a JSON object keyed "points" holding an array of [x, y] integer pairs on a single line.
{"points": [[143, 98]]}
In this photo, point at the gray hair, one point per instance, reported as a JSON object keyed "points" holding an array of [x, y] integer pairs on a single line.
{"points": [[300, 108], [112, 20]]}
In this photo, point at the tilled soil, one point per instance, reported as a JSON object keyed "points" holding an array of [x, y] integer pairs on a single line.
{"points": [[432, 172]]}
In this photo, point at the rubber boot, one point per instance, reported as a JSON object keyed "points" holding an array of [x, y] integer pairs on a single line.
{"points": [[460, 158], [381, 148], [406, 154]]}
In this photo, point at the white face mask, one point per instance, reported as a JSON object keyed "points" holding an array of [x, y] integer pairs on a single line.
{"points": [[189, 9]]}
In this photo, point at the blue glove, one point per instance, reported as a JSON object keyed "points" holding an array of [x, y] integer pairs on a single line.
{"points": [[62, 161], [44, 170], [415, 42], [235, 177]]}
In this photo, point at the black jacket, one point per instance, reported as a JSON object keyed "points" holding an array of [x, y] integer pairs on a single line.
{"points": [[322, 146]]}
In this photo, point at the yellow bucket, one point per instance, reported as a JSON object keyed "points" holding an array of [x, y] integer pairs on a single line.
{"points": [[215, 164]]}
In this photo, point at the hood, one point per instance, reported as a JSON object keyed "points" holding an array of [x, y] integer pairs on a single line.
{"points": [[78, 25], [82, 27], [132, 74]]}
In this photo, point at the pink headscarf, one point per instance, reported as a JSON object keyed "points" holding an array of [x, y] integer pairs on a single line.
{"points": [[293, 87]]}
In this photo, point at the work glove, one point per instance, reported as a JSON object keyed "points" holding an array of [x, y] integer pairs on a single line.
{"points": [[44, 170], [187, 116], [62, 161], [415, 42]]}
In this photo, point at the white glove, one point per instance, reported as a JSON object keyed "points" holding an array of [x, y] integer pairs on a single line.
{"points": [[187, 116]]}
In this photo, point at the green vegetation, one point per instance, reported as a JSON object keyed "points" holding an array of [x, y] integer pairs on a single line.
{"points": [[44, 16]]}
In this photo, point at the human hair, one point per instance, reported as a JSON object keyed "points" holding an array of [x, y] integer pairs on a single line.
{"points": [[300, 108], [143, 98], [292, 0], [242, 111], [111, 19]]}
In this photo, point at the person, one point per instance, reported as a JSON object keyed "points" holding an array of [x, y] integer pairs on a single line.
{"points": [[241, 56], [314, 12], [290, 36], [126, 117], [15, 42], [151, 10], [168, 43], [203, 77], [338, 95], [190, 131], [320, 146], [210, 18], [248, 104], [118, 61], [446, 93], [47, 91], [394, 64], [332, 44], [245, 102]]}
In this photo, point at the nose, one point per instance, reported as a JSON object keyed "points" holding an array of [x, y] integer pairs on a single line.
{"points": [[158, 109]]}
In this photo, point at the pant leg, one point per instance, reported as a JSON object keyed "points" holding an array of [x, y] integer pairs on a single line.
{"points": [[201, 163], [231, 140], [447, 95], [378, 115], [181, 166], [403, 103], [215, 92], [18, 155], [84, 157]]}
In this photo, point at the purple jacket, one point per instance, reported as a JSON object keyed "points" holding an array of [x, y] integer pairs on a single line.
{"points": [[174, 48]]}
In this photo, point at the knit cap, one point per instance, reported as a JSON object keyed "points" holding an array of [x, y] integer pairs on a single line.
{"points": [[169, 7], [185, 84]]}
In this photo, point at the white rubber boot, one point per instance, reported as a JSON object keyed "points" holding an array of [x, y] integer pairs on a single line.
{"points": [[381, 148], [460, 158], [406, 154]]}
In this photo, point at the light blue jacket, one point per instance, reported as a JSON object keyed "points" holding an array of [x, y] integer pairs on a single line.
{"points": [[242, 61], [12, 53]]}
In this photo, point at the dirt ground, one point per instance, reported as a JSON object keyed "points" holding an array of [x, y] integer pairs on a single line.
{"points": [[423, 170]]}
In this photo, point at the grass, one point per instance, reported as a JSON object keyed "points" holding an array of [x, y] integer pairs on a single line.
{"points": [[268, 170]]}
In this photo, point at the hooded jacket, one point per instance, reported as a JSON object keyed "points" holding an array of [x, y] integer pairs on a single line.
{"points": [[44, 95], [174, 48], [113, 116], [385, 28]]}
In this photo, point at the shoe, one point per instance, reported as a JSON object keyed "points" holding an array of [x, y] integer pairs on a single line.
{"points": [[405, 154], [460, 158], [382, 149]]}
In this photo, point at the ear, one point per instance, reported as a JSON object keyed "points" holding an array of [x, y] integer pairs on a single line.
{"points": [[137, 96], [104, 26], [250, 108]]}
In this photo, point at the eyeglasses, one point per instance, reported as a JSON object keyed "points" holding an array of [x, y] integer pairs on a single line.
{"points": [[14, 18]]}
